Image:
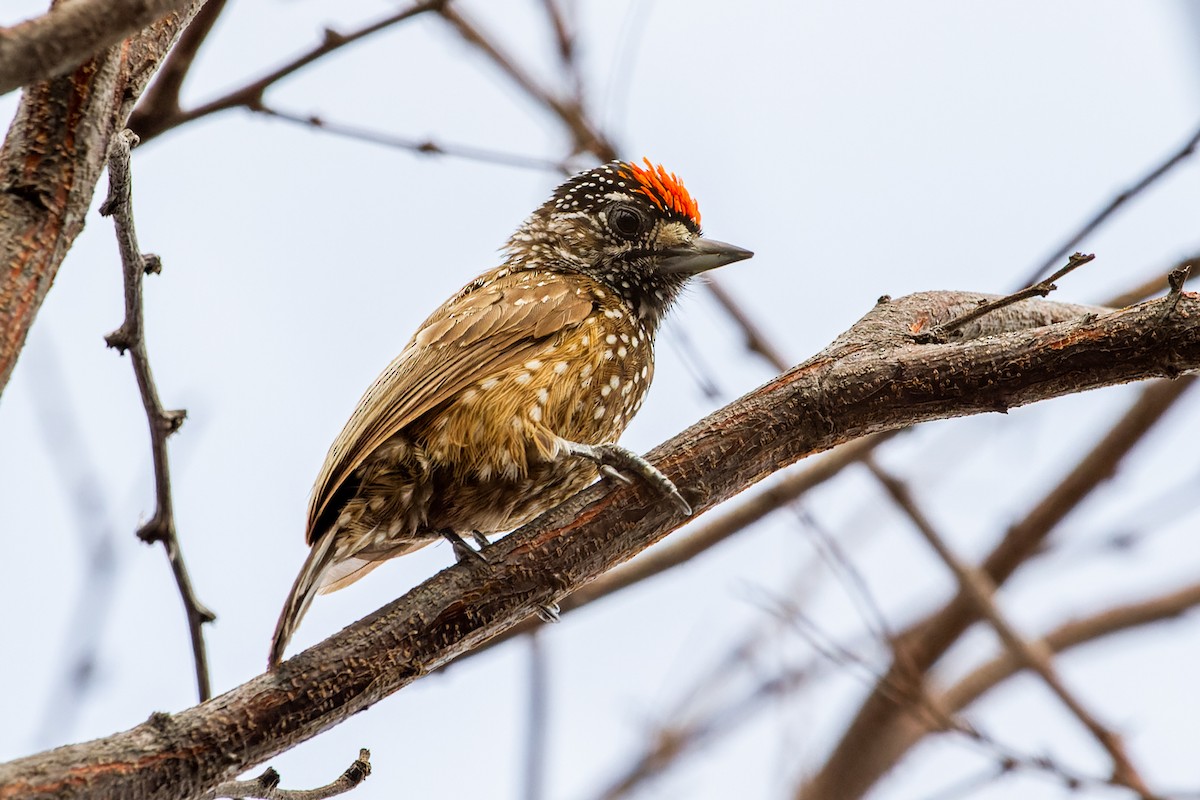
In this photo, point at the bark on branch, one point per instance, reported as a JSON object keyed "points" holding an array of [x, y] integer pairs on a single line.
{"points": [[872, 378], [50, 162], [71, 33]]}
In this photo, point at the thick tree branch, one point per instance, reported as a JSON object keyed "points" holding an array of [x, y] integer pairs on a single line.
{"points": [[871, 379], [69, 34], [50, 163], [131, 338]]}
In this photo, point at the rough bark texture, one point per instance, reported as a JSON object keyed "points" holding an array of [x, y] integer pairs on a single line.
{"points": [[69, 34], [50, 162], [872, 378]]}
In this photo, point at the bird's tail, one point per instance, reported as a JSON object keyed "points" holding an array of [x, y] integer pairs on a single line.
{"points": [[308, 583]]}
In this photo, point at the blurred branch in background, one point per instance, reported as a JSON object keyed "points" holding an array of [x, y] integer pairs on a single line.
{"points": [[1146, 181], [1034, 655], [160, 112], [131, 338]]}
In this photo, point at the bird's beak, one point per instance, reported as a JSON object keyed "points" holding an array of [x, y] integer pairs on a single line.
{"points": [[700, 255]]}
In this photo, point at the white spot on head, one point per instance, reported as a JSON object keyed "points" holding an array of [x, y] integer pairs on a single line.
{"points": [[523, 378], [560, 368], [490, 383], [535, 412], [608, 354], [622, 352], [542, 396], [599, 413], [614, 381], [586, 371], [610, 339], [604, 390], [533, 364]]}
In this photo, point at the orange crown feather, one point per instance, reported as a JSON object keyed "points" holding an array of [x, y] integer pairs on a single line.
{"points": [[665, 190]]}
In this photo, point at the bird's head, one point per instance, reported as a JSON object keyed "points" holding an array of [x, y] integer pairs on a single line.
{"points": [[635, 229]]}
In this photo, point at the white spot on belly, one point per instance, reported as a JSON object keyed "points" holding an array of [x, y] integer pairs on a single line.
{"points": [[610, 339], [560, 368], [535, 412], [599, 413]]}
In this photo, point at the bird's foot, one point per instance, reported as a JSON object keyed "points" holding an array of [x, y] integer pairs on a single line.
{"points": [[462, 550], [617, 463], [548, 612]]}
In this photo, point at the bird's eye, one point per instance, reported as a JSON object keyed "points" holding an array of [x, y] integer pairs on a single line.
{"points": [[626, 221]]}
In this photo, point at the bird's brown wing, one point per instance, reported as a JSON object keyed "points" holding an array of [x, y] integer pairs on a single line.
{"points": [[487, 328]]}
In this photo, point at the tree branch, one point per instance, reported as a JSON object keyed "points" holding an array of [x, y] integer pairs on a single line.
{"points": [[1123, 197], [266, 786], [152, 122], [871, 379], [69, 34], [131, 338], [50, 163]]}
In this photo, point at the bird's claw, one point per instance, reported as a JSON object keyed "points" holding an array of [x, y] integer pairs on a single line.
{"points": [[619, 464]]}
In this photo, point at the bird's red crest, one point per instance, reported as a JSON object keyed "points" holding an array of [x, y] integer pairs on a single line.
{"points": [[665, 190]]}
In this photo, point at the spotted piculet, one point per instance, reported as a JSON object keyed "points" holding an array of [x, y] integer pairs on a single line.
{"points": [[511, 396]]}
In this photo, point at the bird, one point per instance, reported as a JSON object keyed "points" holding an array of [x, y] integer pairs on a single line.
{"points": [[511, 396]]}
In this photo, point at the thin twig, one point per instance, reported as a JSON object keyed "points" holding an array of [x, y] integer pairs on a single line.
{"points": [[1071, 634], [1035, 654], [1121, 199], [565, 39], [587, 136], [422, 146], [1175, 280], [939, 333], [756, 340], [131, 337], [536, 739], [266, 786], [1150, 288], [251, 95]]}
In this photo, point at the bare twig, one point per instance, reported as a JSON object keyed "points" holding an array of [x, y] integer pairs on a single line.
{"points": [[131, 337], [251, 95], [536, 739], [422, 146], [266, 786], [756, 340], [69, 34], [161, 99], [565, 39], [1121, 199], [1036, 655], [1157, 284], [1073, 634], [587, 136], [1175, 280], [1041, 289]]}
